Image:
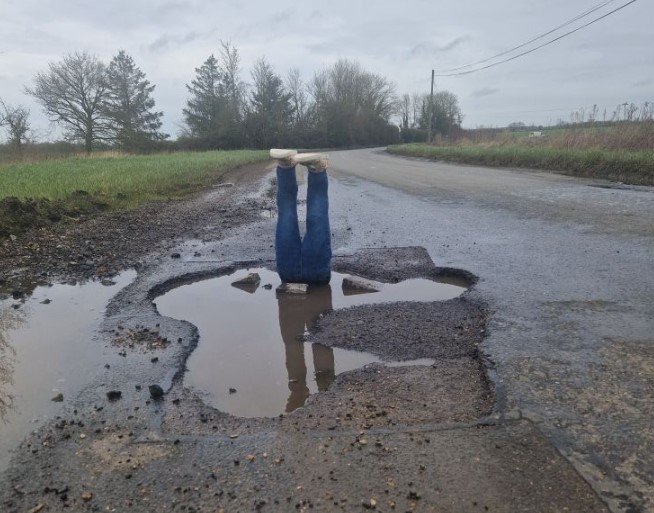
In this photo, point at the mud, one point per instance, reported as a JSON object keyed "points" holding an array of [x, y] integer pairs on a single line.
{"points": [[104, 245]]}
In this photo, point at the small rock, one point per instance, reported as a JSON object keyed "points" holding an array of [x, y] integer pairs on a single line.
{"points": [[360, 285], [114, 395], [268, 286], [87, 496], [155, 359], [250, 279], [232, 390], [58, 398], [293, 288], [250, 457], [175, 255], [46, 302], [156, 392], [371, 504]]}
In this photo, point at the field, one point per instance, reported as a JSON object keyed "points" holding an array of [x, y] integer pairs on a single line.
{"points": [[55, 189], [622, 153]]}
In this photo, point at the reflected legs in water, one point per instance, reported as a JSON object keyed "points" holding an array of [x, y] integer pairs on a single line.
{"points": [[296, 313]]}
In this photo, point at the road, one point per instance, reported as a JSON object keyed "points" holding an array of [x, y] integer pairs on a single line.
{"points": [[540, 397], [566, 266]]}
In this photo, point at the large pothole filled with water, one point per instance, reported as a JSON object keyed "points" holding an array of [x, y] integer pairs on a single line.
{"points": [[252, 359]]}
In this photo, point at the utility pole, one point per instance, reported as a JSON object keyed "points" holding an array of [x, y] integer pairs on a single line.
{"points": [[431, 107]]}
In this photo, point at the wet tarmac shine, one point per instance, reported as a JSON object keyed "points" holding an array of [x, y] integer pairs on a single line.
{"points": [[251, 360]]}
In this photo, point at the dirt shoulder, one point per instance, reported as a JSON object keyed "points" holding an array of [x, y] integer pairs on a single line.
{"points": [[103, 244]]}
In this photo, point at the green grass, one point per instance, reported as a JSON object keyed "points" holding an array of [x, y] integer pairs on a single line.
{"points": [[632, 167], [122, 180], [40, 193]]}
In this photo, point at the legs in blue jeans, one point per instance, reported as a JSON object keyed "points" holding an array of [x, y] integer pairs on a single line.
{"points": [[308, 260], [288, 246]]}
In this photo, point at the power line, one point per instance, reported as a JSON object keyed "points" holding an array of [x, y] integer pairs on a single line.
{"points": [[576, 18], [539, 46]]}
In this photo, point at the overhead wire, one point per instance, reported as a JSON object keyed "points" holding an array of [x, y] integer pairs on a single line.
{"points": [[522, 45], [549, 42]]}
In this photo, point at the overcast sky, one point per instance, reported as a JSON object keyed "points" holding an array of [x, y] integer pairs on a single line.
{"points": [[608, 63]]}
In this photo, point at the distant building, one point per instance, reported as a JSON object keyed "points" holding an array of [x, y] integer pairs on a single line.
{"points": [[536, 134]]}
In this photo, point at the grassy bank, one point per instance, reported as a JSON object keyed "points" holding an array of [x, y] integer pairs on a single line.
{"points": [[632, 167], [53, 189]]}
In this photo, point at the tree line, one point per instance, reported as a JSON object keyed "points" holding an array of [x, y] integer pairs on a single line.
{"points": [[111, 105]]}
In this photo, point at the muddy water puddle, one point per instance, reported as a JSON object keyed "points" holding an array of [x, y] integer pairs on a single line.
{"points": [[46, 349], [251, 360]]}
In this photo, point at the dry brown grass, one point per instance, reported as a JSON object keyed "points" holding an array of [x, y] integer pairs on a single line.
{"points": [[622, 136]]}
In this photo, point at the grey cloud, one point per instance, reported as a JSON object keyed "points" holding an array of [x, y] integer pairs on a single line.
{"points": [[166, 40], [604, 64], [484, 91], [427, 48], [281, 17]]}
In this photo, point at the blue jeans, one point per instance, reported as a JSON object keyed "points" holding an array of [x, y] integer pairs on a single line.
{"points": [[308, 260]]}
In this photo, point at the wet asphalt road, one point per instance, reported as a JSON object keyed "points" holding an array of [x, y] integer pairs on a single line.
{"points": [[564, 270], [566, 266]]}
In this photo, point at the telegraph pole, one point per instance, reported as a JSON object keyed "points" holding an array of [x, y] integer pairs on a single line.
{"points": [[431, 107]]}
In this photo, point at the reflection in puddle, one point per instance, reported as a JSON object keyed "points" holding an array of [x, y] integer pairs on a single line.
{"points": [[46, 348], [251, 360]]}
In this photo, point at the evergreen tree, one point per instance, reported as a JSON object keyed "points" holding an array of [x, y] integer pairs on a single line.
{"points": [[129, 104], [202, 108], [214, 112], [270, 112]]}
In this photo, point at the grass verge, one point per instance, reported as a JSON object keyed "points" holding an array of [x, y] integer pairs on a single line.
{"points": [[35, 194], [631, 167]]}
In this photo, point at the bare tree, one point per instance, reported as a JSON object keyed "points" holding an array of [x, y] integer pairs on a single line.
{"points": [[405, 111], [16, 122], [354, 106], [444, 113], [72, 93], [234, 87], [299, 98], [416, 103]]}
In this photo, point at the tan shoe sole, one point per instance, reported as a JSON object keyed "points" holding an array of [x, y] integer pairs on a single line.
{"points": [[310, 158], [280, 154]]}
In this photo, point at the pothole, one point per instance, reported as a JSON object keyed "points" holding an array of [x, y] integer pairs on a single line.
{"points": [[252, 359]]}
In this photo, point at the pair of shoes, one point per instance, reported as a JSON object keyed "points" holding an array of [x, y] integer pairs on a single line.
{"points": [[288, 158]]}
